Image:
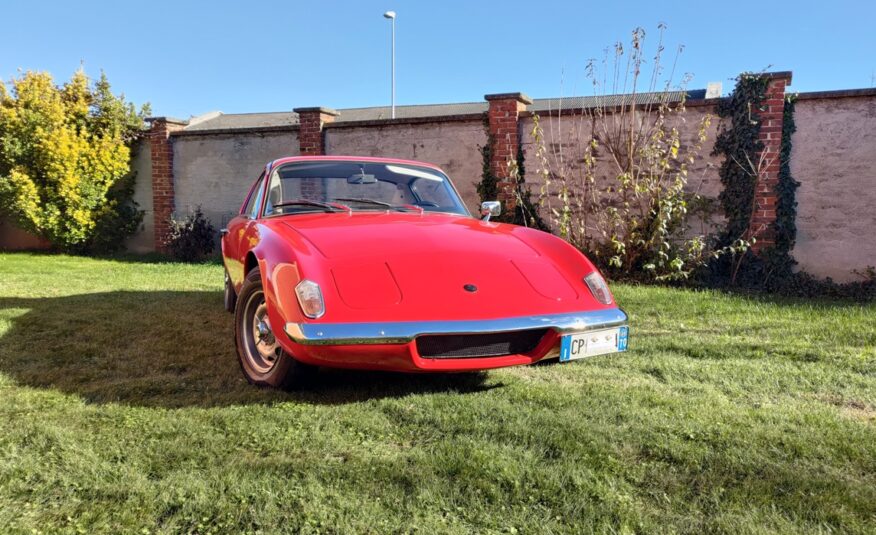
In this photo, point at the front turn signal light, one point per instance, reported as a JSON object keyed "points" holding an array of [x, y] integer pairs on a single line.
{"points": [[310, 299], [598, 287]]}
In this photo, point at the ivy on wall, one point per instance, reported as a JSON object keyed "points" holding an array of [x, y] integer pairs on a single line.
{"points": [[739, 144], [488, 187], [786, 206], [773, 269]]}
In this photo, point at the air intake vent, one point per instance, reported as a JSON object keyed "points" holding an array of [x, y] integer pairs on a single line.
{"points": [[456, 346]]}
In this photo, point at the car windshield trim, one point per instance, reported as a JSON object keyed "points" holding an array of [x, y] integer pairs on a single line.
{"points": [[390, 185]]}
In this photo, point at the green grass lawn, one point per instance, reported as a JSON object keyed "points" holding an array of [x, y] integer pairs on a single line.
{"points": [[122, 409]]}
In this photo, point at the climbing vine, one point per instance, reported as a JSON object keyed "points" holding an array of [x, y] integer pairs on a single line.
{"points": [[488, 187], [786, 207], [738, 142], [773, 269]]}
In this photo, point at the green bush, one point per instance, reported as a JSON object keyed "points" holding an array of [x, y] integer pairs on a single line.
{"points": [[64, 160], [192, 239]]}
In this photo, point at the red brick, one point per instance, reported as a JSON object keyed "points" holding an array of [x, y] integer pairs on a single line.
{"points": [[765, 198], [503, 118], [310, 132], [161, 151]]}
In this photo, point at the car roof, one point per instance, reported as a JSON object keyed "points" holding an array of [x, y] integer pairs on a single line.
{"points": [[372, 159]]}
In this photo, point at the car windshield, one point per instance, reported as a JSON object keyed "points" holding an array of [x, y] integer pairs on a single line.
{"points": [[360, 186]]}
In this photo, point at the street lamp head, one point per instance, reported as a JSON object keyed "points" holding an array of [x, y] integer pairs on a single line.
{"points": [[391, 16]]}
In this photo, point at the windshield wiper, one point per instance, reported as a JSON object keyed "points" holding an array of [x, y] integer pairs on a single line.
{"points": [[327, 207], [378, 203]]}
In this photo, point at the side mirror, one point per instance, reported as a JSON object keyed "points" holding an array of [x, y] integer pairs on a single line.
{"points": [[490, 209]]}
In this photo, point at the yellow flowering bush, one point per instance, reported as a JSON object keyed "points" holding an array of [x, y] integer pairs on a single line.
{"points": [[65, 156]]}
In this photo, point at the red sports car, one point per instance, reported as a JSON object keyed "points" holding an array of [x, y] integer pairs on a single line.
{"points": [[375, 263]]}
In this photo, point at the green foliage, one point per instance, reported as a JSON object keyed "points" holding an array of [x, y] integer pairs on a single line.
{"points": [[786, 189], [120, 219], [192, 239], [124, 411], [488, 187], [63, 152]]}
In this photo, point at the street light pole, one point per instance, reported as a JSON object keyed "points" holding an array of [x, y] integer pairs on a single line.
{"points": [[391, 15]]}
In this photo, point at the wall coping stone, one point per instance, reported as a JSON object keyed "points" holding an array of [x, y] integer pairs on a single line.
{"points": [[232, 131], [839, 93], [519, 97], [317, 109], [172, 120], [778, 74], [692, 103], [406, 120]]}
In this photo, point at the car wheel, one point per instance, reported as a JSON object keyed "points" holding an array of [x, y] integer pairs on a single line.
{"points": [[230, 296], [262, 360]]}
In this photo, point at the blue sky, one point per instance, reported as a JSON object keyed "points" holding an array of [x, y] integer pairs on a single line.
{"points": [[187, 57]]}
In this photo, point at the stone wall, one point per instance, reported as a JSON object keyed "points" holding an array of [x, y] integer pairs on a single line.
{"points": [[141, 163], [454, 146], [565, 136], [215, 171], [834, 159]]}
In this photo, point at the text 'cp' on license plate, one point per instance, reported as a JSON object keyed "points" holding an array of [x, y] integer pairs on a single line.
{"points": [[589, 344]]}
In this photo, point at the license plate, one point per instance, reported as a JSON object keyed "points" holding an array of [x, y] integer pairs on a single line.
{"points": [[579, 346]]}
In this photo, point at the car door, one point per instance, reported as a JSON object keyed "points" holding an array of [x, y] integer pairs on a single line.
{"points": [[241, 234]]}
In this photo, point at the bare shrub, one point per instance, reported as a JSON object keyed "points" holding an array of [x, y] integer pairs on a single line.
{"points": [[622, 193]]}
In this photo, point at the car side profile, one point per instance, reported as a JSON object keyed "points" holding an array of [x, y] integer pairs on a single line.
{"points": [[375, 263]]}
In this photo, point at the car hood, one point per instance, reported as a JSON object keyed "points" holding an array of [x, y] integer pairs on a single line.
{"points": [[411, 266], [366, 234]]}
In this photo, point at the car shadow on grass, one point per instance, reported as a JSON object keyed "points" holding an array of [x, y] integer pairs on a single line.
{"points": [[167, 349]]}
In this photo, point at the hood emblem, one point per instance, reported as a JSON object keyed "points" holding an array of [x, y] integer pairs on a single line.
{"points": [[470, 288]]}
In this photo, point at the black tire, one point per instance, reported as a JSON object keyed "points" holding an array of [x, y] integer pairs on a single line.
{"points": [[230, 297], [262, 360]]}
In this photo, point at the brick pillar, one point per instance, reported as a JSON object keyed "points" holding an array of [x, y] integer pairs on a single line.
{"points": [[504, 115], [765, 196], [161, 150], [311, 139]]}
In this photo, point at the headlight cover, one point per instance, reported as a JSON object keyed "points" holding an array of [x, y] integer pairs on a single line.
{"points": [[310, 299], [598, 287]]}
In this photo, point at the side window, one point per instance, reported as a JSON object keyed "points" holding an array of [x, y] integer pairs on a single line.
{"points": [[255, 203], [275, 193], [251, 201]]}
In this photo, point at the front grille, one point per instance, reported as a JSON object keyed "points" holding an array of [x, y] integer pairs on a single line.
{"points": [[456, 346]]}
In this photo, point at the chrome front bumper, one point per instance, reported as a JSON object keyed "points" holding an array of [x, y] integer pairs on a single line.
{"points": [[402, 332]]}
